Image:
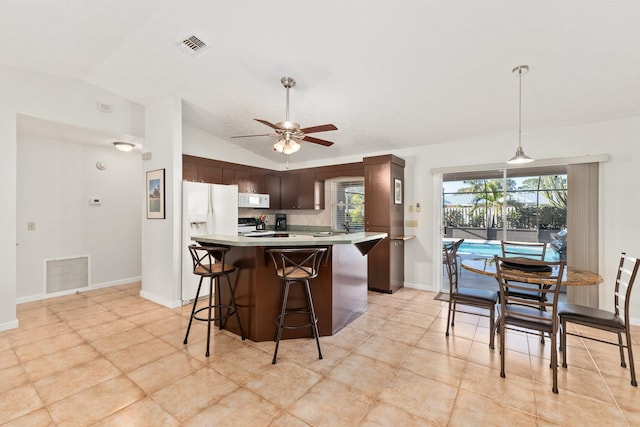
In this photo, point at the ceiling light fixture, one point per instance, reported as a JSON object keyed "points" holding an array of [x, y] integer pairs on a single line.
{"points": [[286, 145], [520, 157], [124, 146]]}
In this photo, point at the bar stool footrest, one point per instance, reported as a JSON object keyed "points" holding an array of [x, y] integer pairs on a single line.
{"points": [[230, 312]]}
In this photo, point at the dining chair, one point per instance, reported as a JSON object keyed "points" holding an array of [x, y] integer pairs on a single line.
{"points": [[531, 250], [479, 298], [516, 275], [455, 246], [616, 321]]}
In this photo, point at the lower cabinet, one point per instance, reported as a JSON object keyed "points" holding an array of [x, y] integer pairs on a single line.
{"points": [[386, 263]]}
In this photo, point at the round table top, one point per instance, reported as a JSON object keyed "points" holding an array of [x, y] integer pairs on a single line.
{"points": [[571, 276]]}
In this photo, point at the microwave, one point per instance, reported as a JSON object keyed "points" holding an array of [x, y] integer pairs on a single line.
{"points": [[253, 200]]}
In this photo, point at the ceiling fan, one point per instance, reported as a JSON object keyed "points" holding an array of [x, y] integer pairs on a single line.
{"points": [[289, 133]]}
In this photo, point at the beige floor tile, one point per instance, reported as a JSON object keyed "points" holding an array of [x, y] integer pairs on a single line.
{"points": [[71, 381], [283, 383], [331, 403], [367, 323], [22, 337], [93, 319], [139, 354], [383, 415], [164, 371], [194, 392], [288, 420], [135, 308], [362, 373], [18, 401], [144, 412], [451, 345], [436, 366], [8, 358], [412, 318], [37, 418], [382, 311], [60, 361], [95, 403], [473, 410], [12, 377], [121, 340], [512, 391], [402, 332], [167, 324], [384, 349], [348, 338], [240, 408], [242, 364], [568, 408], [48, 346], [307, 356], [415, 394], [96, 332]]}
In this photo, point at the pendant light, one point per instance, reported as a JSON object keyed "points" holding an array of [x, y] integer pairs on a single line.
{"points": [[520, 157]]}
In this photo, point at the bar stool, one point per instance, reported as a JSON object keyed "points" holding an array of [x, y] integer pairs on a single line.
{"points": [[293, 266], [208, 261]]}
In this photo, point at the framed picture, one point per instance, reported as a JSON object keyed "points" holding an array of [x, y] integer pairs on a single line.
{"points": [[155, 194], [397, 191]]}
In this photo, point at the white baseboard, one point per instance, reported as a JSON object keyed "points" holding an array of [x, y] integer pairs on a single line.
{"points": [[9, 325], [161, 301], [419, 286], [95, 286]]}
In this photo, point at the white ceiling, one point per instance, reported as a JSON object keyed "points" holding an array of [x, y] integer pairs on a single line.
{"points": [[388, 74]]}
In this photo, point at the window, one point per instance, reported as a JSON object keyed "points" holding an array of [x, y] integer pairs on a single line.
{"points": [[347, 204]]}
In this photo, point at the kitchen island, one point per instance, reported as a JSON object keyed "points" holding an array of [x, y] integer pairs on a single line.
{"points": [[339, 292]]}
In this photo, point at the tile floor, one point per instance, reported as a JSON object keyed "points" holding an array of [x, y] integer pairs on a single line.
{"points": [[111, 358]]}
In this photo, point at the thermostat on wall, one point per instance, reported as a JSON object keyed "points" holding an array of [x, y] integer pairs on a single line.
{"points": [[95, 201]]}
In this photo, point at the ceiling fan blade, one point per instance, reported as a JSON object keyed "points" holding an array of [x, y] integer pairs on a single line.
{"points": [[321, 128], [249, 136], [317, 141], [264, 122]]}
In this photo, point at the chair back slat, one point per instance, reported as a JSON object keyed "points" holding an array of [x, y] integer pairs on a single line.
{"points": [[531, 250], [625, 277], [297, 263], [449, 256]]}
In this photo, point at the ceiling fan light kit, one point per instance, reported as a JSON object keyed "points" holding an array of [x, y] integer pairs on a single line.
{"points": [[124, 146], [289, 133], [520, 157]]}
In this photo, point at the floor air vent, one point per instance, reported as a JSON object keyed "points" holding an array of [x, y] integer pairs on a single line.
{"points": [[62, 274]]}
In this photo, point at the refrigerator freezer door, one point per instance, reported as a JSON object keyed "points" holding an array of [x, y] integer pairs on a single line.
{"points": [[206, 209]]}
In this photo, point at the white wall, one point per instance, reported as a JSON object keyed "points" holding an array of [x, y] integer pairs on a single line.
{"points": [[56, 179], [57, 99]]}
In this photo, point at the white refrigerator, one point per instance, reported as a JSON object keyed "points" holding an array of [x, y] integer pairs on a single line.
{"points": [[206, 209]]}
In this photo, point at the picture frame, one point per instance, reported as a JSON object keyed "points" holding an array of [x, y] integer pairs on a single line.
{"points": [[155, 194], [397, 191]]}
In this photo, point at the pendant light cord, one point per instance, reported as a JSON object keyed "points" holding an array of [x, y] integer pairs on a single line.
{"points": [[520, 107]]}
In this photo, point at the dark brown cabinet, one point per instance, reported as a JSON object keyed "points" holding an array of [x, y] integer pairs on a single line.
{"points": [[272, 184], [383, 213], [301, 191]]}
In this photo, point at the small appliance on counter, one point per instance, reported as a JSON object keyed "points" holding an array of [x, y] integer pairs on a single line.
{"points": [[281, 222]]}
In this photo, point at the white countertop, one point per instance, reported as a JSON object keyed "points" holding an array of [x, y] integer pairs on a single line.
{"points": [[294, 239]]}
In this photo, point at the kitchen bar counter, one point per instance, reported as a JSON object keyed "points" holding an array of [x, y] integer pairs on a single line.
{"points": [[339, 292]]}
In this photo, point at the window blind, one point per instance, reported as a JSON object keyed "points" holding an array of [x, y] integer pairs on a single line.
{"points": [[348, 205]]}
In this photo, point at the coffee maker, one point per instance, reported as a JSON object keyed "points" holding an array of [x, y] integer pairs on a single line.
{"points": [[281, 222]]}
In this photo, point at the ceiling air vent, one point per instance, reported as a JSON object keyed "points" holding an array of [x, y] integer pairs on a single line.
{"points": [[192, 45]]}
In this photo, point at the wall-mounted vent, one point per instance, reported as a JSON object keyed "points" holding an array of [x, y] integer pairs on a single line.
{"points": [[62, 274], [192, 45]]}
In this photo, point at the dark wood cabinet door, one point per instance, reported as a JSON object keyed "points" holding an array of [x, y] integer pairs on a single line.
{"points": [[288, 192], [243, 180], [396, 264], [377, 188], [208, 174], [189, 171], [272, 183], [378, 266], [306, 191], [258, 183], [228, 176]]}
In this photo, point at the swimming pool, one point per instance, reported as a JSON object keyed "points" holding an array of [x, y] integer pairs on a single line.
{"points": [[490, 248]]}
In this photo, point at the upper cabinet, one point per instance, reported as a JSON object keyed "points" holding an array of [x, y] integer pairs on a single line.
{"points": [[301, 191], [384, 197]]}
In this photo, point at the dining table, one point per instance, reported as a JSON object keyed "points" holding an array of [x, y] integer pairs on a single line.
{"points": [[571, 276]]}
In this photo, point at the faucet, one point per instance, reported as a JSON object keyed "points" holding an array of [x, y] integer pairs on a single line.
{"points": [[346, 226]]}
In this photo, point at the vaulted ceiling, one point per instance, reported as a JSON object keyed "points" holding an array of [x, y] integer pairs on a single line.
{"points": [[388, 74]]}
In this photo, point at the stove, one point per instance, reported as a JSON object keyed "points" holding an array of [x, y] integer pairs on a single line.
{"points": [[247, 225]]}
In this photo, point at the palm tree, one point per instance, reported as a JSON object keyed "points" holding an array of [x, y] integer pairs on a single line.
{"points": [[488, 194]]}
